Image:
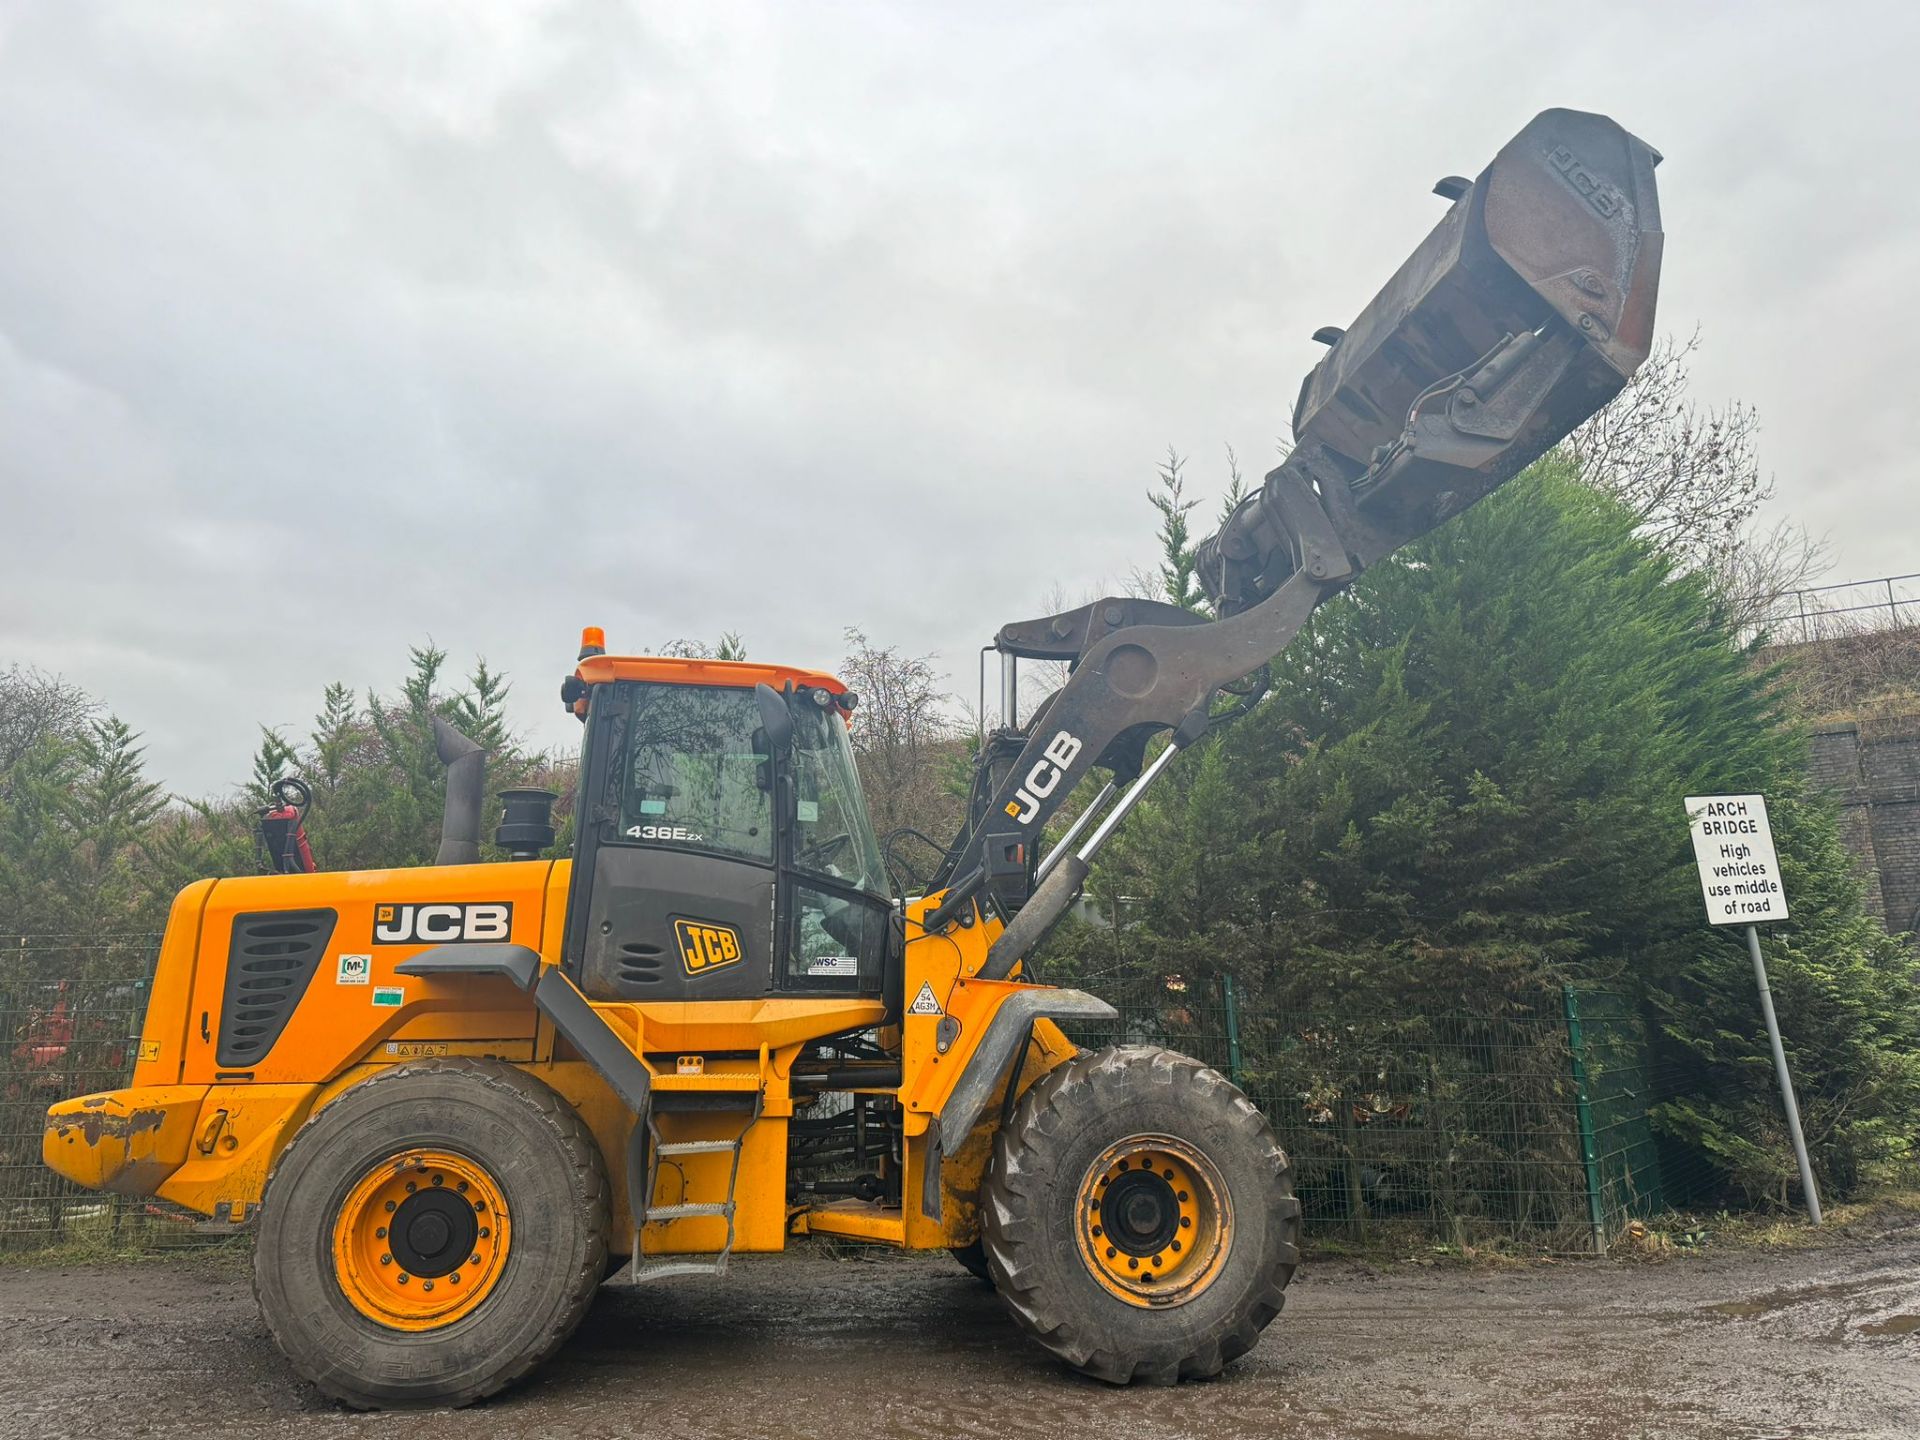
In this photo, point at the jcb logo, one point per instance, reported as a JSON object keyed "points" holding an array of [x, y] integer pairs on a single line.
{"points": [[1605, 200], [441, 924], [705, 945], [1043, 777]]}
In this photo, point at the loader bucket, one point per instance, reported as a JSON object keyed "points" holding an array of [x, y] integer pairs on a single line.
{"points": [[1527, 309]]}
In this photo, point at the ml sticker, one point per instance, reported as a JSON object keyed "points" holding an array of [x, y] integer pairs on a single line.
{"points": [[926, 1002], [390, 997], [355, 970]]}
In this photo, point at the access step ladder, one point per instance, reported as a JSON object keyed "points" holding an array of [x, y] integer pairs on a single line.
{"points": [[643, 1270]]}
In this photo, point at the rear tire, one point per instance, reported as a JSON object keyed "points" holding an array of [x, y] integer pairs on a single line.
{"points": [[396, 1176], [1201, 1233]]}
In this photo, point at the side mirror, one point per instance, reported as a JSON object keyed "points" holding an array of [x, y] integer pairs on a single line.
{"points": [[775, 718]]}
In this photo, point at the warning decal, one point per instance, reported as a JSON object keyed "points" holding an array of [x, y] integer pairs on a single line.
{"points": [[925, 1003]]}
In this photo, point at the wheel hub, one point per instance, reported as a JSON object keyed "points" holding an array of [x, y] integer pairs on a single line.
{"points": [[433, 1231], [420, 1239], [1141, 1211], [1153, 1220]]}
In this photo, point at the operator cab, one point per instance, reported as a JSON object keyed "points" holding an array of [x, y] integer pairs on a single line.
{"points": [[722, 850]]}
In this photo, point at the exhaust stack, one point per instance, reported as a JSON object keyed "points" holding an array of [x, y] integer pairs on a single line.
{"points": [[466, 763]]}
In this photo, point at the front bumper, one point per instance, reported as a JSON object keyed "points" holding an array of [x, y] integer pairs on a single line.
{"points": [[129, 1141]]}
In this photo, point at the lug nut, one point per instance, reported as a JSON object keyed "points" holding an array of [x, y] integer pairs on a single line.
{"points": [[485, 1231], [380, 1233], [473, 1259], [426, 1285], [411, 1187], [441, 1179], [386, 1259], [403, 1279], [454, 1279], [390, 1207]]}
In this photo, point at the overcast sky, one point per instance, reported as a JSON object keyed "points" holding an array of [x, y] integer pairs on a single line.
{"points": [[326, 328]]}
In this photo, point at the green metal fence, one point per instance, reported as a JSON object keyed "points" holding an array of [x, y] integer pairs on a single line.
{"points": [[1526, 1127], [70, 1013]]}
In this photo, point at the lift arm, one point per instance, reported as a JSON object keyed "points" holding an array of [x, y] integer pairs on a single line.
{"points": [[1524, 311]]}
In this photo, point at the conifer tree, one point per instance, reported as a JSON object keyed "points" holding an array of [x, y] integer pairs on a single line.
{"points": [[1466, 789]]}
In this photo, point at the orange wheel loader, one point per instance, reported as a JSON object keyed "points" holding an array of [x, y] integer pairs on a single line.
{"points": [[453, 1100]]}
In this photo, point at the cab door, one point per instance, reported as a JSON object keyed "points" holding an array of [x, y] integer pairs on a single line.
{"points": [[675, 879]]}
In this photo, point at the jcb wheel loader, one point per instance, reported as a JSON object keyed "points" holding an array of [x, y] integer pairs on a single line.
{"points": [[458, 1096]]}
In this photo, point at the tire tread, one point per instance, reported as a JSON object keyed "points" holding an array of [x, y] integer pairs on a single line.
{"points": [[588, 1171], [1012, 1236]]}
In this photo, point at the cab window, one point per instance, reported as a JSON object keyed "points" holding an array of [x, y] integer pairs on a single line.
{"points": [[694, 778], [833, 838]]}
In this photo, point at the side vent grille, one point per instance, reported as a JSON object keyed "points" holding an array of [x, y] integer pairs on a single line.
{"points": [[271, 961], [640, 963]]}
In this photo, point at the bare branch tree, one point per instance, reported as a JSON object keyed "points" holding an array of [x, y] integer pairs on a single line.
{"points": [[1767, 566], [1690, 473], [904, 738], [35, 706]]}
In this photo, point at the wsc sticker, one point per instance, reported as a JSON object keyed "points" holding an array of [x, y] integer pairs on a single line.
{"points": [[355, 970], [390, 997]]}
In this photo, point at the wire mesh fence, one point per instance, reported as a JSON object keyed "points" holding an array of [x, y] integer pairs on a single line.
{"points": [[70, 1014], [1527, 1127]]}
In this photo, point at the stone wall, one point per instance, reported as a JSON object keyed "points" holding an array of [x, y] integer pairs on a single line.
{"points": [[1874, 769]]}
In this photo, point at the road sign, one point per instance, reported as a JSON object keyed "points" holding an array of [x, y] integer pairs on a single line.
{"points": [[1733, 846], [1740, 877]]}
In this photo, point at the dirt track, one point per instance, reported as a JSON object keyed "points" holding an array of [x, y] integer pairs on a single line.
{"points": [[1812, 1343]]}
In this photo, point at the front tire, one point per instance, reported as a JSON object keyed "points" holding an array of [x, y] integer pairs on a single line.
{"points": [[1139, 1217], [432, 1235], [973, 1260]]}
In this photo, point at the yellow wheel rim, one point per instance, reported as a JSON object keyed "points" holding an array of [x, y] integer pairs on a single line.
{"points": [[421, 1239], [1153, 1221]]}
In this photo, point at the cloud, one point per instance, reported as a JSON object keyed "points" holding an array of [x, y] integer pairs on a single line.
{"points": [[327, 328]]}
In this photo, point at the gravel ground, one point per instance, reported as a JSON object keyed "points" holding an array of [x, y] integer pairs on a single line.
{"points": [[1819, 1342]]}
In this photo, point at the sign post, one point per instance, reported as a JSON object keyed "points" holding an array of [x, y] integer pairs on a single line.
{"points": [[1740, 878]]}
